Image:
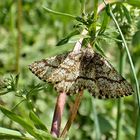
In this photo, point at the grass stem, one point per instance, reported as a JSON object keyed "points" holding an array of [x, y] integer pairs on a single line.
{"points": [[19, 38], [133, 71], [120, 101], [97, 126], [129, 56]]}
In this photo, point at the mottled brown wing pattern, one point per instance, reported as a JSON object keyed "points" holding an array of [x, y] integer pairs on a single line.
{"points": [[81, 70], [108, 83], [65, 76], [45, 67]]}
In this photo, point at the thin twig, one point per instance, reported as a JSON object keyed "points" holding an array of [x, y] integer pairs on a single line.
{"points": [[72, 116], [59, 108], [78, 44]]}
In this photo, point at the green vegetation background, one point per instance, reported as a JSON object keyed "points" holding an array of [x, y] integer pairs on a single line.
{"points": [[40, 33]]}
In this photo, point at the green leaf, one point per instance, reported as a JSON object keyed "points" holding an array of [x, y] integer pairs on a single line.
{"points": [[105, 125], [9, 137], [127, 14], [66, 39], [138, 25], [58, 13], [137, 135], [135, 3], [45, 136], [19, 120], [6, 133], [136, 39], [4, 92], [37, 122], [38, 134], [77, 37], [33, 90], [63, 41], [80, 19], [99, 49], [9, 131], [104, 23]]}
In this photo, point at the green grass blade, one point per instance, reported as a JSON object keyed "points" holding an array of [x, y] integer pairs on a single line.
{"points": [[129, 56], [97, 126], [133, 71], [12, 137], [19, 120], [133, 2], [38, 134], [6, 133], [66, 39], [37, 122], [137, 135], [105, 22], [120, 101]]}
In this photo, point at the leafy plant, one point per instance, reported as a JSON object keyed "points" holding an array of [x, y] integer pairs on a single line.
{"points": [[111, 27]]}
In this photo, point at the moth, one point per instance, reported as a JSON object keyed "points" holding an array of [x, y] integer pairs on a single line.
{"points": [[86, 69]]}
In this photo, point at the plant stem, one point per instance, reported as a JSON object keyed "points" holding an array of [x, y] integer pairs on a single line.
{"points": [[92, 28], [133, 71], [120, 101], [102, 5], [59, 108], [19, 38], [129, 56], [78, 44], [83, 7], [84, 32], [97, 126], [72, 116], [95, 16], [137, 134], [119, 114]]}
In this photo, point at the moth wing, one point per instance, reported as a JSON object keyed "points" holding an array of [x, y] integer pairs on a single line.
{"points": [[45, 67], [64, 77], [108, 82]]}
